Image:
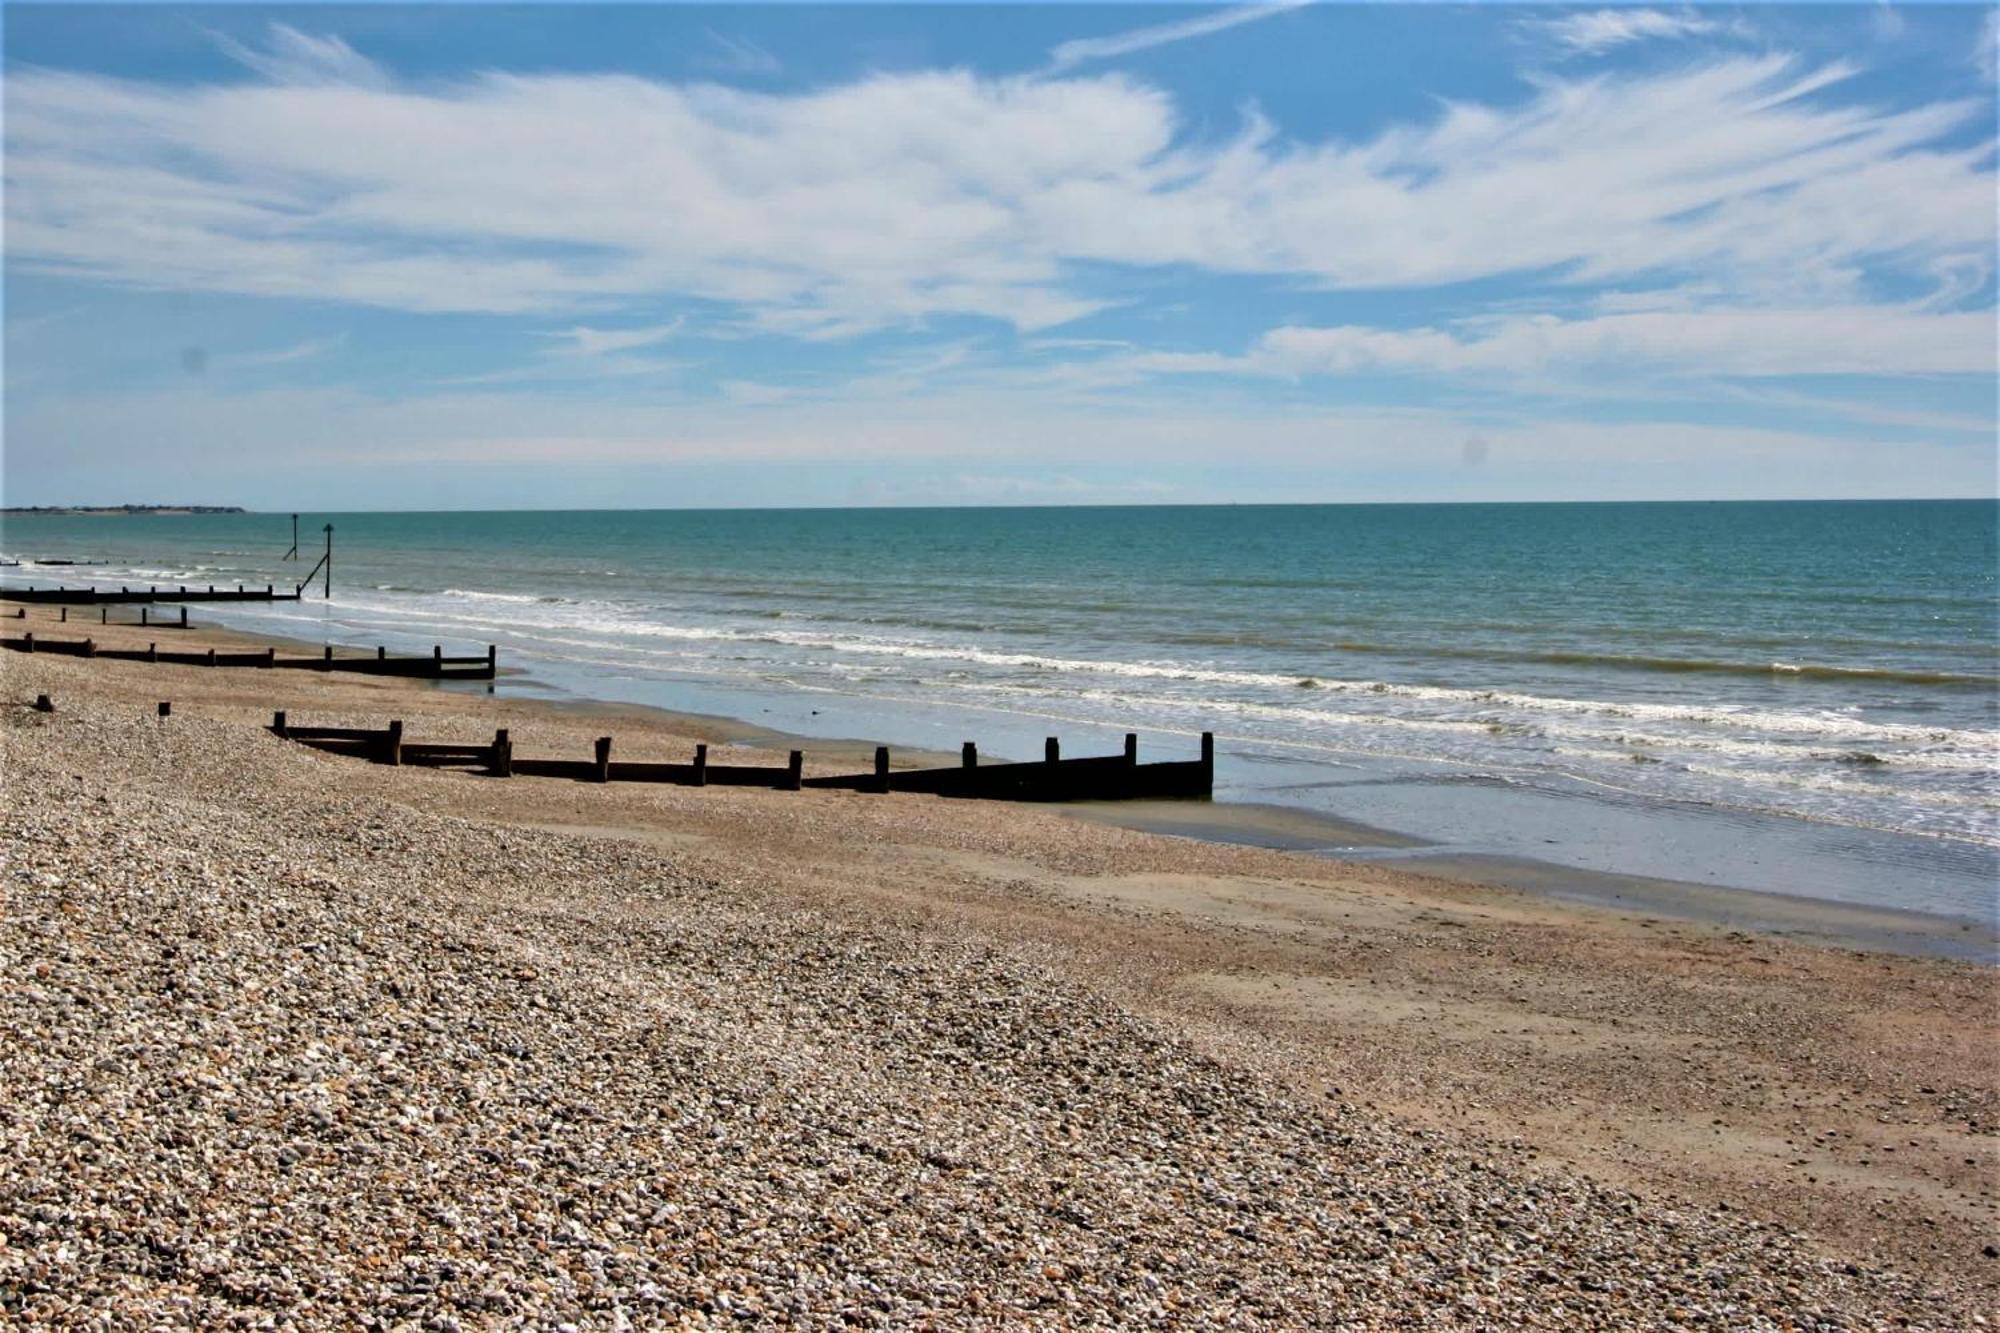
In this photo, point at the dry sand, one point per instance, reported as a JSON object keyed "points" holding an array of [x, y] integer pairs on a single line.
{"points": [[546, 1050]]}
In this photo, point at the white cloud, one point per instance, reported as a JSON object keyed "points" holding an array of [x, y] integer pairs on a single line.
{"points": [[293, 57], [585, 341], [901, 198], [740, 55], [1831, 340], [1591, 32], [585, 353], [1084, 49], [1888, 22], [308, 350]]}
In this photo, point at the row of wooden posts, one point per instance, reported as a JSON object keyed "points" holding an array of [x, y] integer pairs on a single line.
{"points": [[145, 620], [1097, 778], [437, 666], [178, 593]]}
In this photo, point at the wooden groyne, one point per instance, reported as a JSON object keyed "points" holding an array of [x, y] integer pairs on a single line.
{"points": [[178, 593], [1119, 777], [146, 620], [437, 666]]}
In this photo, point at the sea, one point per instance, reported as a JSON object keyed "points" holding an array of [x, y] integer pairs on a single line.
{"points": [[1796, 697]]}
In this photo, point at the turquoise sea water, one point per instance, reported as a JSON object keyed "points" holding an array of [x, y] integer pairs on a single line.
{"points": [[1497, 673]]}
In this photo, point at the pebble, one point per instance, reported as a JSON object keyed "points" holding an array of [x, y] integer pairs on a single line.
{"points": [[275, 1055]]}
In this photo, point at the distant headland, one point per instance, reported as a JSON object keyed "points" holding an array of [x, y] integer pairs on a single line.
{"points": [[127, 509]]}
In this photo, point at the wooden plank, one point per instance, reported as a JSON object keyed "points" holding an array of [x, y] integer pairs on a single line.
{"points": [[628, 771], [372, 734], [744, 775], [455, 668], [356, 749], [577, 769], [415, 752]]}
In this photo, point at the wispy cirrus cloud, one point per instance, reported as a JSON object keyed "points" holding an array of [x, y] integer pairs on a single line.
{"points": [[1746, 343], [740, 55], [289, 56], [586, 353], [310, 349], [1082, 50], [903, 198], [583, 340], [1592, 32]]}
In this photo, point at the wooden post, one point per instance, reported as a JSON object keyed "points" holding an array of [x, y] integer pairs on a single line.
{"points": [[270, 657], [329, 656], [104, 614], [278, 723], [1051, 751], [1132, 748], [795, 770], [28, 641], [90, 647], [503, 754], [968, 755], [184, 617], [701, 765], [267, 591], [142, 616], [166, 708], [604, 759], [1208, 759], [437, 659], [211, 657], [63, 616], [380, 652], [44, 704], [392, 747], [492, 660], [881, 768], [152, 652]]}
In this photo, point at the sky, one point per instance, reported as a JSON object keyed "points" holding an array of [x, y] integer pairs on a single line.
{"points": [[402, 257]]}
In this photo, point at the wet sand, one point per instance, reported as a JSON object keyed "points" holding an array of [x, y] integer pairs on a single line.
{"points": [[1809, 920], [1787, 1067]]}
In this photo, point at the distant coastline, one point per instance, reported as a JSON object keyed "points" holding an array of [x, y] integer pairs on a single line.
{"points": [[126, 509]]}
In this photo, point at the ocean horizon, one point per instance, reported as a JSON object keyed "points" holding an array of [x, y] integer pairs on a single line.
{"points": [[1795, 696]]}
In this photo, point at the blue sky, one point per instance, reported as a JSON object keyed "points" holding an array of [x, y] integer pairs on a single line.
{"points": [[396, 257]]}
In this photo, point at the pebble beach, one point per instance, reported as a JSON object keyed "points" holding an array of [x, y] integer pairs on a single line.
{"points": [[292, 1041]]}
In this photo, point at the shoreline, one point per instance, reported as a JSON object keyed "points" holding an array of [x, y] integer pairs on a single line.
{"points": [[1791, 916], [1703, 1065], [1818, 920]]}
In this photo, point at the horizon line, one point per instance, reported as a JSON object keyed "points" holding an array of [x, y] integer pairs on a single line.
{"points": [[224, 510]]}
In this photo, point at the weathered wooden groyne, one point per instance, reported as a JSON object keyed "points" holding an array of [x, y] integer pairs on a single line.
{"points": [[437, 666], [1116, 777], [178, 593], [1119, 777]]}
